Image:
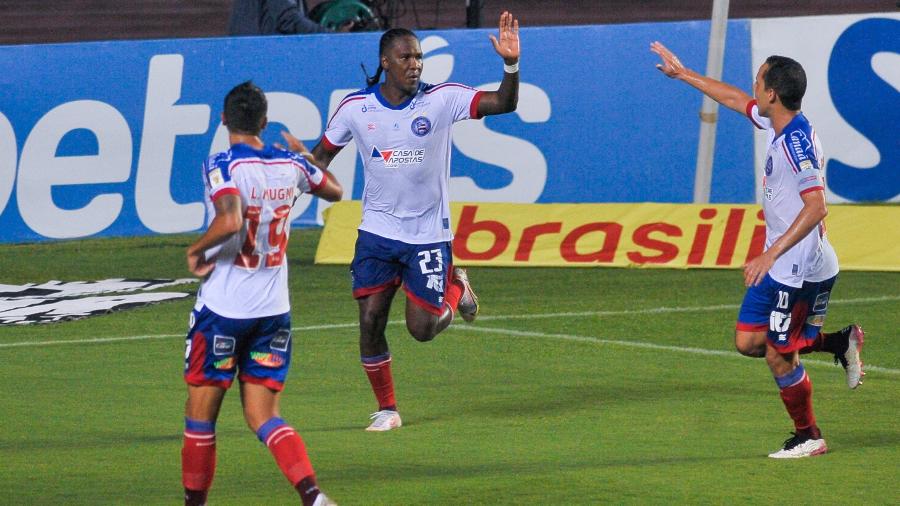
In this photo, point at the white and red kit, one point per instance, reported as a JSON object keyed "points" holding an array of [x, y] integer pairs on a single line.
{"points": [[794, 166], [405, 151], [250, 276]]}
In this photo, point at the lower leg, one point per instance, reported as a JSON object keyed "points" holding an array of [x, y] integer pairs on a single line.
{"points": [[289, 451], [796, 391], [198, 460], [287, 447], [373, 347], [378, 370], [198, 451]]}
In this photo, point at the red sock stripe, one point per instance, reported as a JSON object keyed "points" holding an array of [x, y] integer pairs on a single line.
{"points": [[290, 454], [200, 435], [279, 434], [377, 365]]}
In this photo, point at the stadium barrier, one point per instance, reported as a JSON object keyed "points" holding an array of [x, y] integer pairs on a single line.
{"points": [[628, 235], [106, 138]]}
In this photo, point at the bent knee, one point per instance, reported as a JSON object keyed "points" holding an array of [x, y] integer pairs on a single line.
{"points": [[422, 333], [750, 344], [749, 351]]}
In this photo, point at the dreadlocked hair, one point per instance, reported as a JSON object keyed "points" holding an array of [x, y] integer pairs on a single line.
{"points": [[387, 40]]}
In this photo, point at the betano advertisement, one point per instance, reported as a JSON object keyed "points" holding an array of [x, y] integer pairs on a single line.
{"points": [[107, 138], [627, 235]]}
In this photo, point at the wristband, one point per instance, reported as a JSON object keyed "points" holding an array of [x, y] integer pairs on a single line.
{"points": [[511, 69]]}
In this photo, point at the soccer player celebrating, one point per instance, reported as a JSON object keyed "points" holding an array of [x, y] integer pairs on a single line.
{"points": [[403, 127], [241, 320], [789, 284]]}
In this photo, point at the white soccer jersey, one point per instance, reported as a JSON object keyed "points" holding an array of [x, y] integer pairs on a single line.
{"points": [[250, 277], [405, 151], [794, 166]]}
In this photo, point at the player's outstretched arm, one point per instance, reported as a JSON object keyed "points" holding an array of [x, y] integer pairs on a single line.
{"points": [[723, 93], [228, 220], [332, 190], [506, 97]]}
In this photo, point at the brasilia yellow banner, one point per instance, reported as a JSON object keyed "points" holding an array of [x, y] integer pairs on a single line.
{"points": [[629, 235]]}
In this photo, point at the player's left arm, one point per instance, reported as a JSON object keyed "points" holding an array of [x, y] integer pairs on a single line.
{"points": [[228, 220], [506, 97], [812, 213]]}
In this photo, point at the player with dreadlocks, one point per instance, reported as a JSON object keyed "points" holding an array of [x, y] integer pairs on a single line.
{"points": [[403, 129]]}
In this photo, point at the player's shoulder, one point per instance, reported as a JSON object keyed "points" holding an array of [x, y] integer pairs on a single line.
{"points": [[799, 143], [357, 95], [446, 87], [220, 160]]}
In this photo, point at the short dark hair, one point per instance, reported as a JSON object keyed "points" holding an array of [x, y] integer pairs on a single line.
{"points": [[788, 79], [387, 40], [245, 109]]}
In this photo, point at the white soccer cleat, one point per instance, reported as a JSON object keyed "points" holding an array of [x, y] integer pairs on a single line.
{"points": [[323, 500], [800, 446], [468, 301], [384, 420], [850, 359]]}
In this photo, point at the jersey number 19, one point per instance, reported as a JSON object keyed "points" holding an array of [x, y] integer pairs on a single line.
{"points": [[277, 239]]}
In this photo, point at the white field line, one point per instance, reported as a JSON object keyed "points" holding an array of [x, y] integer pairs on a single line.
{"points": [[662, 310], [651, 346], [568, 337]]}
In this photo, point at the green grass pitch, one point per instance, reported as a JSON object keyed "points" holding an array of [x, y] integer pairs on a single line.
{"points": [[575, 386]]}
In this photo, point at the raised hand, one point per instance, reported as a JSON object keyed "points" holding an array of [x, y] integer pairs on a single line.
{"points": [[671, 66], [508, 44], [294, 144]]}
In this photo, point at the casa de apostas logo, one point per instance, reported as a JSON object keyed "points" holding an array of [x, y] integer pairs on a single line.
{"points": [[394, 158]]}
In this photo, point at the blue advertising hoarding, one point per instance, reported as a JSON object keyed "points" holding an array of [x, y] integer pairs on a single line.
{"points": [[107, 138]]}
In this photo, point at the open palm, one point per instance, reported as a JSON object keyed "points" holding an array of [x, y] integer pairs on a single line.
{"points": [[670, 65], [507, 46]]}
